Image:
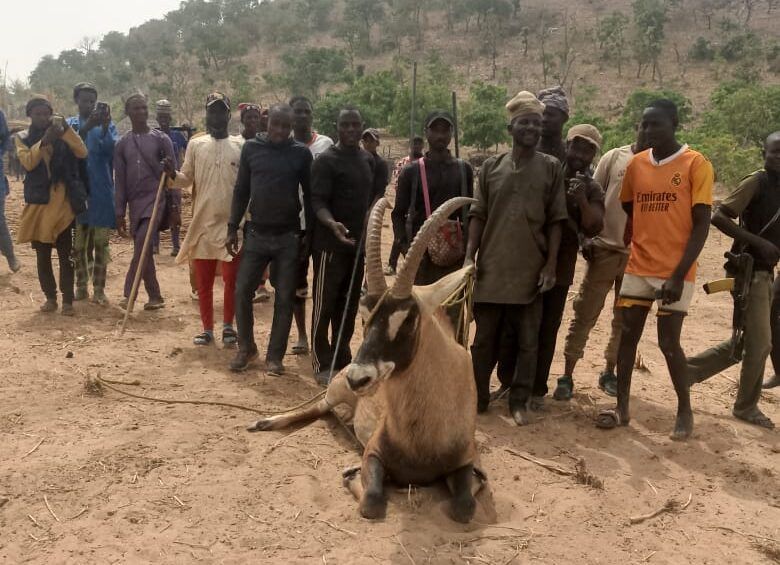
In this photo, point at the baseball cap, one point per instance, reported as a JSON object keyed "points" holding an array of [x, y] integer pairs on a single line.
{"points": [[586, 132], [439, 115], [373, 132], [215, 97]]}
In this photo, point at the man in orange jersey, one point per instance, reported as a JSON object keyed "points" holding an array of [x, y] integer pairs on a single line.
{"points": [[667, 191]]}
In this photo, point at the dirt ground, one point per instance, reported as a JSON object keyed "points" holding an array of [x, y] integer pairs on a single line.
{"points": [[113, 479]]}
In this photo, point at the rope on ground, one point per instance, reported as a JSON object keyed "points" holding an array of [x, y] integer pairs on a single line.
{"points": [[105, 382]]}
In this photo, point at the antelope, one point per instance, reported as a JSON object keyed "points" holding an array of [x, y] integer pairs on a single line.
{"points": [[410, 388]]}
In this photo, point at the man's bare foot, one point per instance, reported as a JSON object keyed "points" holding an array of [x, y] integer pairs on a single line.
{"points": [[683, 427], [755, 417]]}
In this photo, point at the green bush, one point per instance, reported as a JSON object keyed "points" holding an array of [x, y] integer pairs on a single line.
{"points": [[701, 50]]}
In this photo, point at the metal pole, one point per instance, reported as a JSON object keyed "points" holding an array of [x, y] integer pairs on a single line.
{"points": [[455, 125], [414, 102]]}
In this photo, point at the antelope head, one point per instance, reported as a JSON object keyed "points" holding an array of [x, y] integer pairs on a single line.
{"points": [[393, 317]]}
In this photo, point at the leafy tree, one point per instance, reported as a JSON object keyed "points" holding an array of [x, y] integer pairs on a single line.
{"points": [[650, 17], [366, 13], [701, 50], [741, 47], [307, 71], [611, 34], [484, 121], [748, 112]]}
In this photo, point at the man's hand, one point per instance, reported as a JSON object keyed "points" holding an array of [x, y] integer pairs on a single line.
{"points": [[588, 249], [53, 133], [121, 227], [341, 232], [547, 277], [768, 251], [671, 291], [578, 188], [169, 167], [231, 244], [95, 119]]}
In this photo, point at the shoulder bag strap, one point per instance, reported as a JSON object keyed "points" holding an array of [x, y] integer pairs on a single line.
{"points": [[424, 180]]}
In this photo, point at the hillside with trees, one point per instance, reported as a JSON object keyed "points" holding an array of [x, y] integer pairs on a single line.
{"points": [[719, 58]]}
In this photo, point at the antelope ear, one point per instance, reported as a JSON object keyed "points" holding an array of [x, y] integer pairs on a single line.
{"points": [[430, 297]]}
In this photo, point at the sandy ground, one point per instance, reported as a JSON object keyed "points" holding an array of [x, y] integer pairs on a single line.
{"points": [[130, 481]]}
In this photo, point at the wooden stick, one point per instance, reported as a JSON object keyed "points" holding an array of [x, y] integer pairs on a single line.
{"points": [[139, 268], [743, 534], [335, 527], [37, 445], [408, 555], [546, 464], [46, 501], [671, 505]]}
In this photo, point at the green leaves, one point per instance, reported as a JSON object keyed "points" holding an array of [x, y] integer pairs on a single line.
{"points": [[484, 118]]}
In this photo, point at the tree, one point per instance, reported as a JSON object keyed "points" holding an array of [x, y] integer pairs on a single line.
{"points": [[366, 13], [701, 50], [306, 71], [484, 122], [611, 34], [650, 17]]}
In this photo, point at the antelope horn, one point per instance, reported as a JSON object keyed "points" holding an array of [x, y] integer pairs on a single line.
{"points": [[405, 279], [375, 278]]}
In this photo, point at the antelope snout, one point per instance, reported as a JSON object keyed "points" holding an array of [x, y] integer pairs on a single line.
{"points": [[360, 376]]}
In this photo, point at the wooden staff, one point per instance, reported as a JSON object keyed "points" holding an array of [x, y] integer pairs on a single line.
{"points": [[142, 258]]}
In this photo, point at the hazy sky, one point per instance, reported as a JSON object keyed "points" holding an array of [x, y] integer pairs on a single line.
{"points": [[31, 30]]}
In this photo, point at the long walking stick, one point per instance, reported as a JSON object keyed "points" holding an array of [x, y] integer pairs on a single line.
{"points": [[346, 306], [139, 268]]}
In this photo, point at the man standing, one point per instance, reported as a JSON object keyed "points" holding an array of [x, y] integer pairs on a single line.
{"points": [[370, 142], [606, 256], [342, 194], [211, 164], [520, 200], [556, 114], [273, 168], [416, 147], [138, 169], [6, 243], [164, 118], [756, 201], [585, 206], [445, 178], [667, 192], [303, 119], [99, 134], [250, 119]]}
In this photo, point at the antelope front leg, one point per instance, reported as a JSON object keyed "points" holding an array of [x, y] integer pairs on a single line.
{"points": [[463, 502], [373, 504]]}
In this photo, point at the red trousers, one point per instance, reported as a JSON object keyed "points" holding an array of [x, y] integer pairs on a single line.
{"points": [[205, 272]]}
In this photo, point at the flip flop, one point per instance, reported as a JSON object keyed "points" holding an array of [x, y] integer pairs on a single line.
{"points": [[608, 420]]}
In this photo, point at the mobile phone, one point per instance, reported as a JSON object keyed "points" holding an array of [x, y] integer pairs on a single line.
{"points": [[102, 108], [58, 120]]}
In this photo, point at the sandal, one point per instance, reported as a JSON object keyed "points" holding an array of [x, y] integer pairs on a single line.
{"points": [[755, 417], [609, 420], [565, 388], [229, 337], [204, 338]]}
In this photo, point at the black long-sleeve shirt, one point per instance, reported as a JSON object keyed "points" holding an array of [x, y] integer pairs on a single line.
{"points": [[269, 177], [444, 182], [343, 183]]}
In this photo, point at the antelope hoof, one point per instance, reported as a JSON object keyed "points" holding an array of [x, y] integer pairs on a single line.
{"points": [[463, 508], [373, 506], [260, 426]]}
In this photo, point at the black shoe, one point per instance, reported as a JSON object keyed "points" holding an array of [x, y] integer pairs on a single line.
{"points": [[565, 388], [537, 404], [482, 405], [771, 382], [608, 383], [274, 368], [243, 358]]}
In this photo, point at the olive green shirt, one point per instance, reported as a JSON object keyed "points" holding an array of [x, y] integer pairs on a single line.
{"points": [[517, 204]]}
